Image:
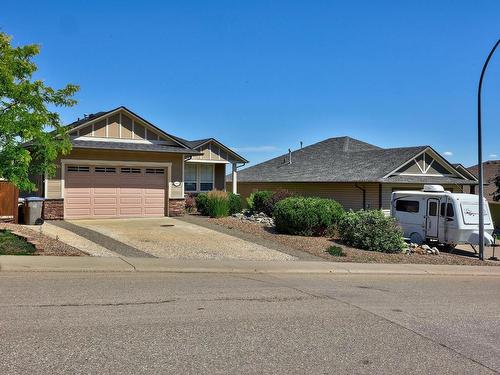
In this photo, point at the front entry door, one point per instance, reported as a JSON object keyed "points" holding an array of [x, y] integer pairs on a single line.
{"points": [[432, 218]]}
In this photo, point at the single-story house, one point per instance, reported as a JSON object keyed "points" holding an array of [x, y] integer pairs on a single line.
{"points": [[491, 169], [121, 165], [355, 173]]}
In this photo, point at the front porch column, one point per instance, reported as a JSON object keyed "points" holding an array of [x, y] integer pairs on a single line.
{"points": [[235, 179]]}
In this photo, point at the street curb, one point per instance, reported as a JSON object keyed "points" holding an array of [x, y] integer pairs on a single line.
{"points": [[12, 263]]}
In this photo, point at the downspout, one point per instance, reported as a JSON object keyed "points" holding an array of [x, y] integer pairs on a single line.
{"points": [[364, 195], [380, 196]]}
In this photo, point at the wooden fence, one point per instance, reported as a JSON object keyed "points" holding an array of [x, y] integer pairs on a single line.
{"points": [[9, 195]]}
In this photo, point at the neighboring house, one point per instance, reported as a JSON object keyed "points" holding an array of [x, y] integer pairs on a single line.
{"points": [[356, 174], [491, 169], [121, 165]]}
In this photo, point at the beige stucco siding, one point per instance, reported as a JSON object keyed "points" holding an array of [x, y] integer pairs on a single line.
{"points": [[347, 194], [54, 186]]}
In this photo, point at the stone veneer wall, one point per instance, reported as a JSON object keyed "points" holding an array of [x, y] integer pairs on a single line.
{"points": [[176, 207], [53, 209]]}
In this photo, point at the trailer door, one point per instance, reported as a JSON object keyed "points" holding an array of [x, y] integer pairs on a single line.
{"points": [[432, 218]]}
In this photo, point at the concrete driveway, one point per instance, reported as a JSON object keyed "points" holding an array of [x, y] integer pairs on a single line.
{"points": [[171, 238]]}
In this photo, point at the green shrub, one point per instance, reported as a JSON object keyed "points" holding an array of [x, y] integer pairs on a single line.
{"points": [[371, 230], [259, 200], [217, 204], [306, 216], [190, 203], [235, 204], [202, 203], [336, 251], [270, 202], [249, 201]]}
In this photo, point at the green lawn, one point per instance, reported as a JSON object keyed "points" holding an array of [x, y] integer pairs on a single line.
{"points": [[13, 245]]}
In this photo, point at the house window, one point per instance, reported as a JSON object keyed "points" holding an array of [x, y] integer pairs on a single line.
{"points": [[206, 177], [198, 177], [190, 177], [407, 206]]}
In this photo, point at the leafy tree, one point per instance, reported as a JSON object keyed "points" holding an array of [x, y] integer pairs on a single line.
{"points": [[31, 135]]}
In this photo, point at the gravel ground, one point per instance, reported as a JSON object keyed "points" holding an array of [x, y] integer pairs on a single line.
{"points": [[51, 246], [318, 245]]}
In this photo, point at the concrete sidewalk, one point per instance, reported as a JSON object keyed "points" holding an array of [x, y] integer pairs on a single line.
{"points": [[123, 264]]}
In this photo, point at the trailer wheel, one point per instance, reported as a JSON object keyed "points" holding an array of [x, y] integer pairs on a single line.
{"points": [[416, 238]]}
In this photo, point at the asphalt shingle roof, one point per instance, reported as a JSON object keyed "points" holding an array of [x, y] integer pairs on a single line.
{"points": [[341, 159], [189, 145], [130, 146]]}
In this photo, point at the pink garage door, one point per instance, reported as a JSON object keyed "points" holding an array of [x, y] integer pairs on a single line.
{"points": [[109, 191]]}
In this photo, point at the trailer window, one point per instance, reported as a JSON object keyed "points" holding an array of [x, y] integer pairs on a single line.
{"points": [[433, 209], [449, 210], [407, 206]]}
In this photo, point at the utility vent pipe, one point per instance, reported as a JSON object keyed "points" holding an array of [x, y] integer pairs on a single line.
{"points": [[289, 156]]}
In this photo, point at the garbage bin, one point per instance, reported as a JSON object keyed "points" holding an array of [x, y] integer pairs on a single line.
{"points": [[33, 210]]}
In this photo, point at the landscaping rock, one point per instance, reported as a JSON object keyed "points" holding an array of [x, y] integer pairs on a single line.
{"points": [[425, 247], [259, 217]]}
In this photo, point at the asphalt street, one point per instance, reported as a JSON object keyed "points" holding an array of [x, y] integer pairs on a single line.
{"points": [[124, 323]]}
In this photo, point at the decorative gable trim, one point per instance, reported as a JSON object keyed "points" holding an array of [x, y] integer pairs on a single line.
{"points": [[225, 148], [147, 125], [425, 160]]}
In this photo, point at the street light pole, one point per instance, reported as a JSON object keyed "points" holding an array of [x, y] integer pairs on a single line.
{"points": [[480, 154]]}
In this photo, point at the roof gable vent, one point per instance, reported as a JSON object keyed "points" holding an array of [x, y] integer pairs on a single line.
{"points": [[433, 188]]}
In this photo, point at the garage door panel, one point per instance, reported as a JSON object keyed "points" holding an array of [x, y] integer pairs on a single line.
{"points": [[106, 201], [78, 212], [152, 201], [131, 211], [130, 200], [77, 191], [153, 211], [78, 201], [98, 194], [105, 212]]}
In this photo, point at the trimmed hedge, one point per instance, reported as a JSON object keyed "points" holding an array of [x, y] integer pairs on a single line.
{"points": [[306, 216], [235, 203], [259, 200], [371, 230], [202, 203], [275, 197]]}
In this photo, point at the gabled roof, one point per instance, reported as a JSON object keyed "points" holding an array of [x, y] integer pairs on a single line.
{"points": [[132, 146], [185, 146], [201, 142], [95, 116], [341, 159]]}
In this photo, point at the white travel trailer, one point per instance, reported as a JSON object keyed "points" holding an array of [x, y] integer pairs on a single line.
{"points": [[438, 216]]}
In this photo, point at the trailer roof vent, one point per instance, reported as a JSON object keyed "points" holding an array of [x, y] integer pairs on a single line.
{"points": [[433, 188]]}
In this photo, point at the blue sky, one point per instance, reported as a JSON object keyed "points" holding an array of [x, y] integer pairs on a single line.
{"points": [[261, 76]]}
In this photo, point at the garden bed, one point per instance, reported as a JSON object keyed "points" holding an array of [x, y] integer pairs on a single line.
{"points": [[14, 241], [318, 246]]}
